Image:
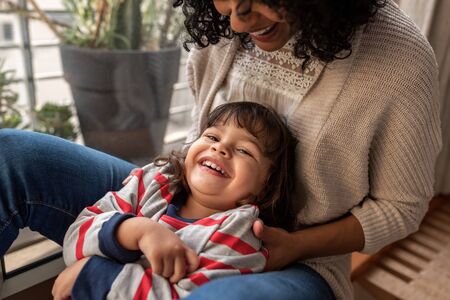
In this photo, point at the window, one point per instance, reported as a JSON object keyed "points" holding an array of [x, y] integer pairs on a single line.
{"points": [[7, 32], [31, 50]]}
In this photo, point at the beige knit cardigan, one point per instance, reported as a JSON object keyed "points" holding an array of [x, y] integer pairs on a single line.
{"points": [[368, 131]]}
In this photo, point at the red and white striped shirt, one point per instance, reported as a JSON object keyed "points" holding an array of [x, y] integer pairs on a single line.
{"points": [[223, 241]]}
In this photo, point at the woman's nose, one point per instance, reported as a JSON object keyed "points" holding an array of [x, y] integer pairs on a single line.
{"points": [[221, 149]]}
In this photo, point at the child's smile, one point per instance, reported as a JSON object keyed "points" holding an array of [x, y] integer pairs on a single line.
{"points": [[213, 166], [224, 166]]}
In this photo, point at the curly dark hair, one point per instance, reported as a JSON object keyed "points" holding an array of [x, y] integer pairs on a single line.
{"points": [[325, 28], [275, 201]]}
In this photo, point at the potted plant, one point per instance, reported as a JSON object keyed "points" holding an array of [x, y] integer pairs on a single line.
{"points": [[121, 60], [56, 119], [51, 118], [10, 116]]}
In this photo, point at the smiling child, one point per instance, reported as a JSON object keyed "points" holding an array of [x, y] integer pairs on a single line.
{"points": [[186, 219]]}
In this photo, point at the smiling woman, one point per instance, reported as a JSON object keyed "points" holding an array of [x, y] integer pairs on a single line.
{"points": [[268, 28], [337, 70], [270, 23]]}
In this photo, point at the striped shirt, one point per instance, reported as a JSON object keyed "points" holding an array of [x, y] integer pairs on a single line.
{"points": [[223, 241]]}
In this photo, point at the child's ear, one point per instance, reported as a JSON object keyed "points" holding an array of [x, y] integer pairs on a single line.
{"points": [[250, 200], [269, 176]]}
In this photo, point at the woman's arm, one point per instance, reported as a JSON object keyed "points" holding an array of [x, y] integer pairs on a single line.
{"points": [[338, 237]]}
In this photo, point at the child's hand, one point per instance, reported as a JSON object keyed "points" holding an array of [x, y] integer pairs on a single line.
{"points": [[166, 252], [62, 288]]}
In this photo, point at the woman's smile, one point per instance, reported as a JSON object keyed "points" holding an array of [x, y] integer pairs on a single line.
{"points": [[267, 27], [265, 35]]}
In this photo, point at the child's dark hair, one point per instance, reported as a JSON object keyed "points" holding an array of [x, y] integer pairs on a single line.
{"points": [[276, 200], [325, 28]]}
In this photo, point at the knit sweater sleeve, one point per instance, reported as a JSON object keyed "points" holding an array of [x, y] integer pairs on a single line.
{"points": [[403, 151], [93, 232], [192, 78]]}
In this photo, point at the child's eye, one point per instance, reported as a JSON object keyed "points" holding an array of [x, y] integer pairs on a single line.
{"points": [[243, 151], [212, 137]]}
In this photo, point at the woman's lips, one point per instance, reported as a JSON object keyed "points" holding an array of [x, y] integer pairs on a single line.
{"points": [[265, 35]]}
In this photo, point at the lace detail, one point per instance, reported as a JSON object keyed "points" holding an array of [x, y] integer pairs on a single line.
{"points": [[280, 71]]}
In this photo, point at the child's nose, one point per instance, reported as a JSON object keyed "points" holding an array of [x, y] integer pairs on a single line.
{"points": [[221, 149]]}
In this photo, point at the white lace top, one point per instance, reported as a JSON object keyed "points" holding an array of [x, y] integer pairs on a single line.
{"points": [[274, 78]]}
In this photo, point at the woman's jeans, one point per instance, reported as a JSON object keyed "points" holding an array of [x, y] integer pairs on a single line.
{"points": [[46, 181], [298, 282]]}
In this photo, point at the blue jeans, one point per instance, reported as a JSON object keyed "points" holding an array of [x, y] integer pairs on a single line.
{"points": [[293, 283], [46, 181]]}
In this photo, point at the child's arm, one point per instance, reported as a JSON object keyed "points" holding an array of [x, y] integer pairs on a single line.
{"points": [[114, 227], [166, 252], [93, 231]]}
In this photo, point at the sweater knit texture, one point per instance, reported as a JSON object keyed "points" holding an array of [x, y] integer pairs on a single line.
{"points": [[368, 131], [223, 241]]}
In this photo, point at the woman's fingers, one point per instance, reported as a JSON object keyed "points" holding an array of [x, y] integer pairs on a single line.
{"points": [[132, 172], [258, 229]]}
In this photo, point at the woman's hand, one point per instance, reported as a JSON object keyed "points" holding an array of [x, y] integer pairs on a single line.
{"points": [[342, 236], [279, 242], [166, 252], [132, 172], [62, 288]]}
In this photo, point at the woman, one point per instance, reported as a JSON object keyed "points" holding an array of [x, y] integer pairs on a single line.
{"points": [[357, 82]]}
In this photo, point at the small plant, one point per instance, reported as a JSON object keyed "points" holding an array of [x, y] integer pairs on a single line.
{"points": [[114, 24], [10, 116], [56, 120]]}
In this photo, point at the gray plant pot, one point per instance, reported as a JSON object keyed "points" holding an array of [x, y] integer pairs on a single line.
{"points": [[122, 98]]}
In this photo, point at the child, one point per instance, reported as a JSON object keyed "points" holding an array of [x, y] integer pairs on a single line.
{"points": [[190, 214]]}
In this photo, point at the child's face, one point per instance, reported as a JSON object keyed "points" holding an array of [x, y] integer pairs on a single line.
{"points": [[225, 165], [267, 28]]}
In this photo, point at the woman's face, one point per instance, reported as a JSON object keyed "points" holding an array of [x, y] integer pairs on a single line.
{"points": [[267, 28]]}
